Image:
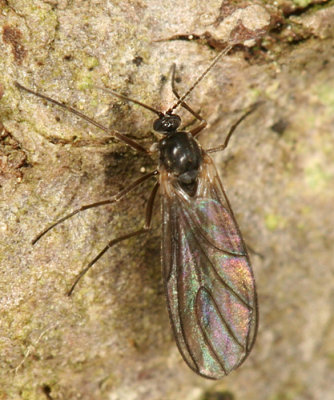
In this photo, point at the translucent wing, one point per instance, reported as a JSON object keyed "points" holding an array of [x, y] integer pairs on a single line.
{"points": [[209, 282]]}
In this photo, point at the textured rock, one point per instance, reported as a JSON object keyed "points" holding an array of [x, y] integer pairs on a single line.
{"points": [[111, 339]]}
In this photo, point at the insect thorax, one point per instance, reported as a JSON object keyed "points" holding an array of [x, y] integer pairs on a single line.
{"points": [[181, 155]]}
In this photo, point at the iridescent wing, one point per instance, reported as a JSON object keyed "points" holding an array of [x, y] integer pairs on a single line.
{"points": [[209, 282]]}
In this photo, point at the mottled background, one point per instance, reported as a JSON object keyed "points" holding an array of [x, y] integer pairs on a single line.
{"points": [[111, 339]]}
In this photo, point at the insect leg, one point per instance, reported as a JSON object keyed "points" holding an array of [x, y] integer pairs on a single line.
{"points": [[198, 129], [145, 228], [183, 103], [117, 135], [203, 122], [113, 199], [250, 249], [233, 128]]}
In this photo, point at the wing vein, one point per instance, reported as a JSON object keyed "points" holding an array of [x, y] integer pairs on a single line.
{"points": [[236, 254], [179, 310], [222, 318], [205, 336], [216, 272]]}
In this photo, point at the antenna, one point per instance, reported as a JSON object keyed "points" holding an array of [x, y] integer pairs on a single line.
{"points": [[198, 80], [182, 98]]}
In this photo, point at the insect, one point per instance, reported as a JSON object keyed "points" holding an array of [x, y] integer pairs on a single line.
{"points": [[208, 280]]}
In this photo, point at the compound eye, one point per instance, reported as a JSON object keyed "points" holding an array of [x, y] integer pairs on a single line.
{"points": [[167, 123]]}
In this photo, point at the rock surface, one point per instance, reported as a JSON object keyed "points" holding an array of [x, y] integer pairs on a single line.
{"points": [[112, 339]]}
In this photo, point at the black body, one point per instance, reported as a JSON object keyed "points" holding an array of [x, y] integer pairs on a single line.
{"points": [[181, 155]]}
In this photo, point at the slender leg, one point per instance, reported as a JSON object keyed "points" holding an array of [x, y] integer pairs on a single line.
{"points": [[183, 103], [145, 228], [251, 250], [118, 135], [113, 199], [198, 129], [233, 128], [203, 122]]}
